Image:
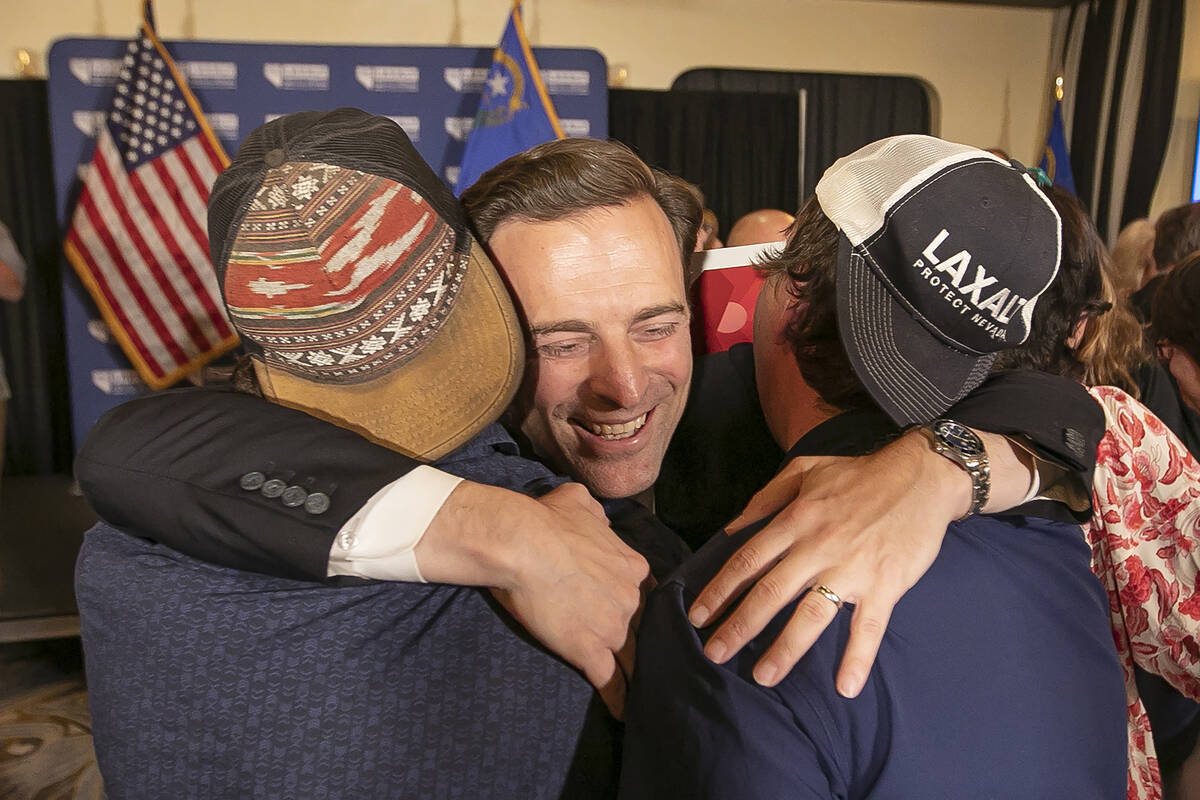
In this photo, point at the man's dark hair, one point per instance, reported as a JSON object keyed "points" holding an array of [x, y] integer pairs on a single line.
{"points": [[1177, 307], [1074, 293], [683, 203], [808, 263], [563, 178], [1176, 235]]}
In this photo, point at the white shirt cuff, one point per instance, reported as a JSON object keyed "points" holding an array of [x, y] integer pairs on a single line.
{"points": [[380, 541], [1035, 485]]}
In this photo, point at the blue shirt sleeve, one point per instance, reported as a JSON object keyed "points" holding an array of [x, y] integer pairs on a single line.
{"points": [[701, 730]]}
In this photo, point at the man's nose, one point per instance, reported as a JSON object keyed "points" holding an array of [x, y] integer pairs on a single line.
{"points": [[618, 376]]}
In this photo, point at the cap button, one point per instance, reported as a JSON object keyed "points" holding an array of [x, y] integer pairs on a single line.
{"points": [[275, 158]]}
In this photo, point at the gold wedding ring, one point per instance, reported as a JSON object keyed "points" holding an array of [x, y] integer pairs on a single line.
{"points": [[828, 594]]}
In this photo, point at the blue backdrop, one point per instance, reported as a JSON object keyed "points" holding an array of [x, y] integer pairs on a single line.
{"points": [[432, 92]]}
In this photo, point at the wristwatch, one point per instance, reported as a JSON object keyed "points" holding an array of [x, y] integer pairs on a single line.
{"points": [[961, 445]]}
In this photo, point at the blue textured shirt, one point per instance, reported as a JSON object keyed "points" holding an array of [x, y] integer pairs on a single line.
{"points": [[207, 682], [997, 678]]}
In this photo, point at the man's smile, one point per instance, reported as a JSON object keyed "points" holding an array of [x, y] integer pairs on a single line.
{"points": [[614, 430]]}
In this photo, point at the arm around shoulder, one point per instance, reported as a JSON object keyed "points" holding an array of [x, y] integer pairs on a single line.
{"points": [[198, 470]]}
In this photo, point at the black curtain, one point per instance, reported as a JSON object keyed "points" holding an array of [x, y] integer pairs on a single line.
{"points": [[38, 440], [1156, 110], [1145, 38], [1088, 98], [741, 149], [842, 112]]}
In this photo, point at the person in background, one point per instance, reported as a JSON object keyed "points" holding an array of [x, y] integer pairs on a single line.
{"points": [[706, 238], [12, 287], [1176, 236], [1175, 322], [1168, 387], [1132, 261], [760, 227]]}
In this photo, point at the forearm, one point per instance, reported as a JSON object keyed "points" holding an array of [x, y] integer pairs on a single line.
{"points": [[479, 537], [1012, 474], [1056, 417], [196, 470]]}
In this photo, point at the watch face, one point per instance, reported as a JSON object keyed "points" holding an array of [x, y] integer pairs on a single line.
{"points": [[961, 438]]}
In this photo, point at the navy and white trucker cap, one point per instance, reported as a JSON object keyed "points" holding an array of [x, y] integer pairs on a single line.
{"points": [[944, 251]]}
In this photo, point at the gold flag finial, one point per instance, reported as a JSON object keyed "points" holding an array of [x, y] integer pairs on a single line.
{"points": [[25, 64], [1058, 88]]}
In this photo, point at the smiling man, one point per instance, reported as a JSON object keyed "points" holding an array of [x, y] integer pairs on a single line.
{"points": [[613, 359]]}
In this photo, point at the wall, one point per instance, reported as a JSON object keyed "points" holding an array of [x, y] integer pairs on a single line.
{"points": [[988, 65]]}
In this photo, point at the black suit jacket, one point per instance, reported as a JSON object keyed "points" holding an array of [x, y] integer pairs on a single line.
{"points": [[169, 466]]}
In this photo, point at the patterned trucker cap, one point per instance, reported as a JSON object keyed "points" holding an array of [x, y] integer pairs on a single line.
{"points": [[351, 275]]}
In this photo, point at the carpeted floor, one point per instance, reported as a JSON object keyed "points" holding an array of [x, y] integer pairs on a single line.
{"points": [[45, 727]]}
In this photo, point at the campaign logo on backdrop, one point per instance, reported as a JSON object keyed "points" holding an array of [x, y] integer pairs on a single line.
{"points": [[95, 71], [304, 77], [86, 121], [411, 126], [118, 381], [465, 79], [452, 174], [210, 74], [575, 127], [388, 79], [225, 125], [459, 127], [567, 81]]}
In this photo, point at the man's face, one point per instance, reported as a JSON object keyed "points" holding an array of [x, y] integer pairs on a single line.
{"points": [[1186, 372], [610, 365], [790, 405]]}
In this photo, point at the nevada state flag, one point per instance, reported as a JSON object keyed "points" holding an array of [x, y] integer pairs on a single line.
{"points": [[515, 112], [1056, 161]]}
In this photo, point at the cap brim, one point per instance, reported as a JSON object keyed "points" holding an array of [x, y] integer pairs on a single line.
{"points": [[910, 373], [459, 383]]}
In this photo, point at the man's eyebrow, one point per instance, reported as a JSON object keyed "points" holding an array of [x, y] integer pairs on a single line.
{"points": [[580, 326], [655, 311], [562, 326]]}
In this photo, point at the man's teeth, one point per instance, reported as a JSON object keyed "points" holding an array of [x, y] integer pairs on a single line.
{"points": [[623, 431]]}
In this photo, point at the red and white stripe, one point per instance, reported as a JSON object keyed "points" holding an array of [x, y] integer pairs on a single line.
{"points": [[142, 239]]}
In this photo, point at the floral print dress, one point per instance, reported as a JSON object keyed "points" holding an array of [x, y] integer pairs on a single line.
{"points": [[1145, 539]]}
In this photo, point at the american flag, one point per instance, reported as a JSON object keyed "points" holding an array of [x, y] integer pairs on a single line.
{"points": [[139, 236]]}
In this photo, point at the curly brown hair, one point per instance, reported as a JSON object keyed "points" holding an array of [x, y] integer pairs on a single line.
{"points": [[1176, 235], [1177, 306], [1111, 347], [808, 262], [1113, 344]]}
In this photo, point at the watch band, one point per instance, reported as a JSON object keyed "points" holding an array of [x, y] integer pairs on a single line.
{"points": [[961, 445]]}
